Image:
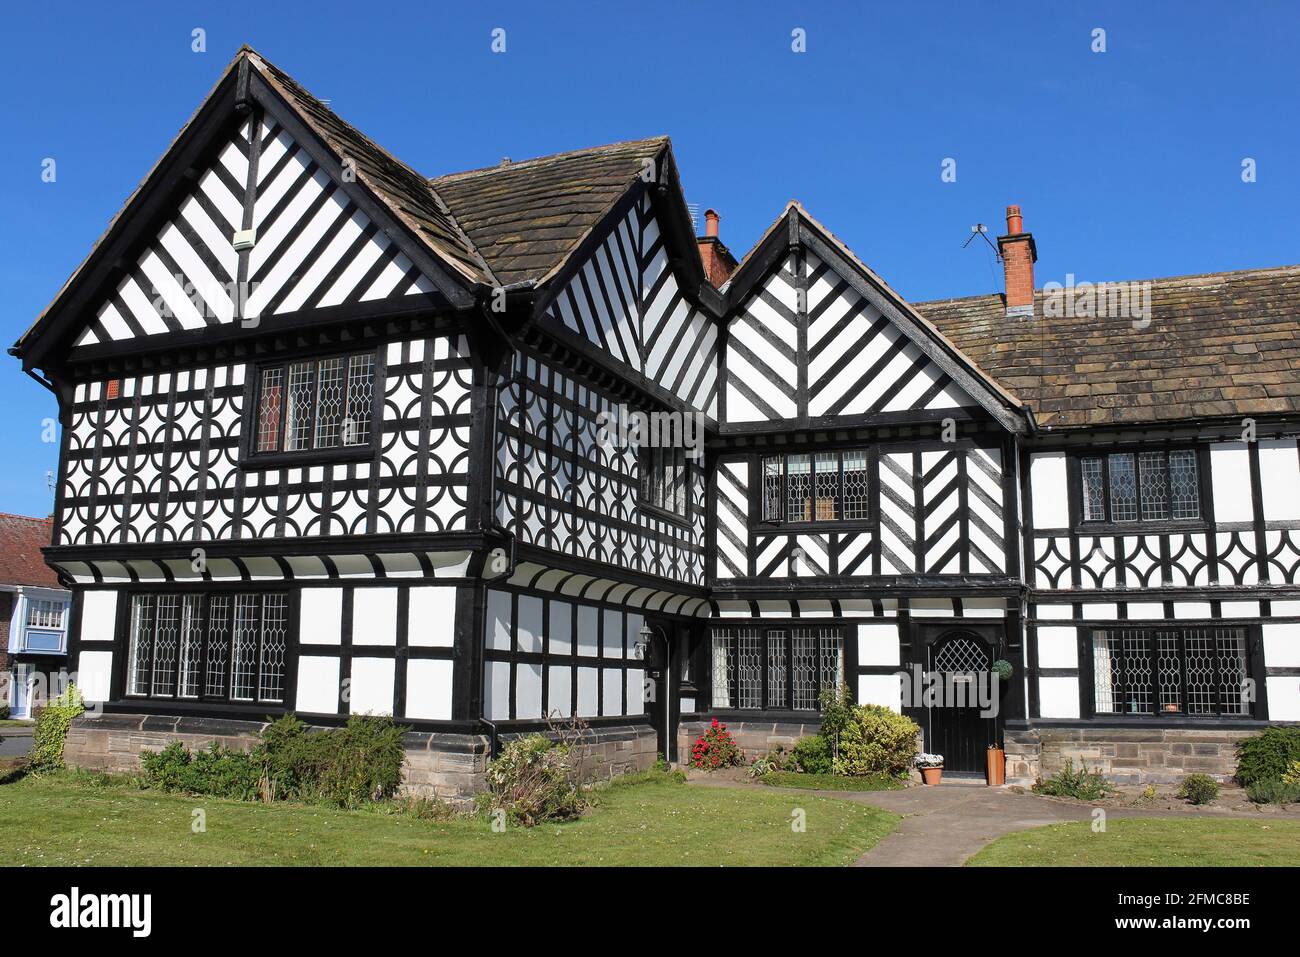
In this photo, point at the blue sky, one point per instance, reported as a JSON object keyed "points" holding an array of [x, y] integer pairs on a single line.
{"points": [[1127, 163]]}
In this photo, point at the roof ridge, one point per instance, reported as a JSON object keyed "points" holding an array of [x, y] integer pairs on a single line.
{"points": [[1185, 277], [515, 164], [27, 518]]}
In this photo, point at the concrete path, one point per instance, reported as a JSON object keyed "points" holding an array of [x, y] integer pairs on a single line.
{"points": [[943, 826]]}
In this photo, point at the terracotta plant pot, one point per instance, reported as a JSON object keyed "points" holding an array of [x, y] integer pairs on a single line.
{"points": [[997, 773], [931, 776]]}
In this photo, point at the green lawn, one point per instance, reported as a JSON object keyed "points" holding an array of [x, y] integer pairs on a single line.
{"points": [[1150, 842], [830, 782], [655, 822]]}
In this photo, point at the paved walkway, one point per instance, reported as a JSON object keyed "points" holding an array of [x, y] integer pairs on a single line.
{"points": [[943, 826]]}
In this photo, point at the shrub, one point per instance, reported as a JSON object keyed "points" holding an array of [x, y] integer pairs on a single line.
{"points": [[876, 740], [811, 755], [1199, 789], [218, 771], [1267, 756], [715, 748], [532, 781], [1292, 775], [1083, 785], [347, 766], [52, 731], [1273, 792], [4, 712]]}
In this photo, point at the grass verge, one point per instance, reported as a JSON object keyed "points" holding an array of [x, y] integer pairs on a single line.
{"points": [[1149, 842], [654, 820]]}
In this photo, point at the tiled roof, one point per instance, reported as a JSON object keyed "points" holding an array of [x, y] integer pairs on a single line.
{"points": [[525, 218], [1218, 345], [405, 192], [21, 541]]}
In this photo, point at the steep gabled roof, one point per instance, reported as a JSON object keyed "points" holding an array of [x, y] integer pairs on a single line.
{"points": [[526, 218], [21, 540], [433, 239], [1218, 345], [406, 193]]}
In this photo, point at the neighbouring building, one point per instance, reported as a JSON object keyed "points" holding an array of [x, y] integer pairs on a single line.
{"points": [[336, 440], [33, 615]]}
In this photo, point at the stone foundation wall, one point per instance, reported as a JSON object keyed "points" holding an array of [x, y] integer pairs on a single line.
{"points": [[438, 764], [755, 738], [1123, 755]]}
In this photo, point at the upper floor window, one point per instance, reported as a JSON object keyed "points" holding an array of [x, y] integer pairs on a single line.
{"points": [[45, 625], [316, 404], [44, 613], [664, 479], [815, 487], [1143, 486]]}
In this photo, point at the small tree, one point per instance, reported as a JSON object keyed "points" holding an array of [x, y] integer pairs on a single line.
{"points": [[837, 706]]}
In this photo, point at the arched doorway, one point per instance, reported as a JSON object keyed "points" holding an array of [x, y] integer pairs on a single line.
{"points": [[961, 713]]}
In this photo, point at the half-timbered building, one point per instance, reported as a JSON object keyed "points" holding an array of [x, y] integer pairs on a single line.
{"points": [[339, 438]]}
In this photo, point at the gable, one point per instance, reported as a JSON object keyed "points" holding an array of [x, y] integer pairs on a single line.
{"points": [[314, 248], [626, 300], [816, 339], [841, 356]]}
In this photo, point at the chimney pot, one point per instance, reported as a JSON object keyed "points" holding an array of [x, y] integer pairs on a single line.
{"points": [[1015, 222], [716, 258]]}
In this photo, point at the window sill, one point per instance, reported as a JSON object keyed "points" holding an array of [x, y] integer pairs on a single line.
{"points": [[662, 513], [1140, 528], [287, 460], [829, 525]]}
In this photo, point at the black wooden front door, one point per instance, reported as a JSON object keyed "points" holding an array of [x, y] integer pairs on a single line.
{"points": [[958, 662]]}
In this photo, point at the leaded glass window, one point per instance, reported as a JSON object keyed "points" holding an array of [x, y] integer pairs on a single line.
{"points": [[665, 476], [817, 487], [316, 404], [775, 667], [1167, 671], [1094, 491], [1123, 488], [1184, 485], [246, 653], [1150, 486]]}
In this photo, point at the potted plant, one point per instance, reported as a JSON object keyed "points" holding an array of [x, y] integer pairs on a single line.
{"points": [[997, 766], [931, 766], [1004, 670]]}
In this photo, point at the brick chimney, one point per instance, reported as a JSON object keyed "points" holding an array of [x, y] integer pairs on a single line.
{"points": [[1018, 257], [718, 261]]}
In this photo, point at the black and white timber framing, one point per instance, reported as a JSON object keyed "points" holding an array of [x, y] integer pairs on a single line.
{"points": [[480, 555]]}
